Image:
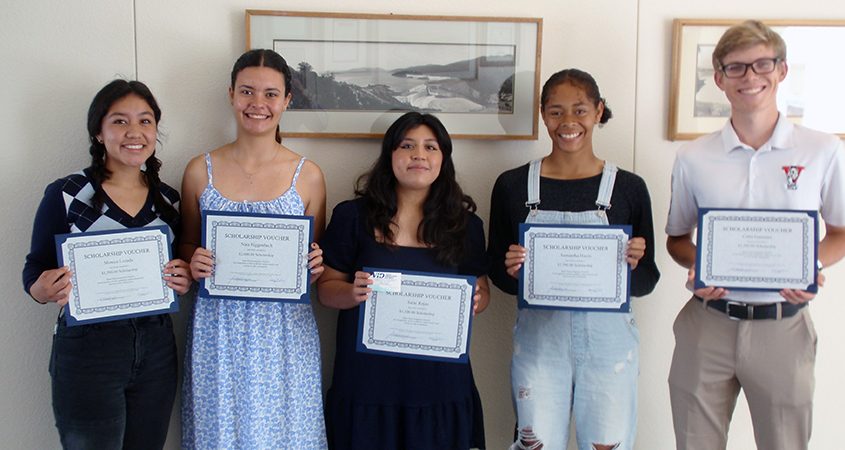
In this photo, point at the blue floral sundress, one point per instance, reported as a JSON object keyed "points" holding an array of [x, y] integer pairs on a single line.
{"points": [[252, 368]]}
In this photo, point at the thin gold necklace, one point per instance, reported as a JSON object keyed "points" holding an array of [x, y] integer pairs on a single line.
{"points": [[261, 166]]}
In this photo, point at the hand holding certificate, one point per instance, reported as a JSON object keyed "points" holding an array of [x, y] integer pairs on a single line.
{"points": [[762, 250], [257, 256], [575, 267], [116, 274], [417, 315]]}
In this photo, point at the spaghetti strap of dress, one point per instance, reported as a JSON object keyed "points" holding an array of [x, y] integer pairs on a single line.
{"points": [[208, 168], [295, 174]]}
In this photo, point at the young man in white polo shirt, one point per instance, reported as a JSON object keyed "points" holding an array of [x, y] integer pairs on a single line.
{"points": [[764, 342]]}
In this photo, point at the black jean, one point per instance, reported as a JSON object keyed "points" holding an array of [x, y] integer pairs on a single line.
{"points": [[114, 383]]}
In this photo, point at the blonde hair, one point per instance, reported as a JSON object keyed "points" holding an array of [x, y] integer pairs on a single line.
{"points": [[748, 34]]}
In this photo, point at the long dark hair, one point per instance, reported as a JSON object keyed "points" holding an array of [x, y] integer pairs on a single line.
{"points": [[261, 57], [105, 98], [446, 208]]}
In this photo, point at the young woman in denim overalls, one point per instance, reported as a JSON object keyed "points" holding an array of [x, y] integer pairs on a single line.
{"points": [[566, 362]]}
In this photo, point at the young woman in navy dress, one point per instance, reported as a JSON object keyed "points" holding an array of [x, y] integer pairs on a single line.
{"points": [[409, 215]]}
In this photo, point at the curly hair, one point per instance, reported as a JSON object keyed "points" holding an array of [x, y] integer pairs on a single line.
{"points": [[446, 208], [104, 100]]}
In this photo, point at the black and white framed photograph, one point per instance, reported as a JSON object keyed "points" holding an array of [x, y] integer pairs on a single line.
{"points": [[354, 74], [810, 95]]}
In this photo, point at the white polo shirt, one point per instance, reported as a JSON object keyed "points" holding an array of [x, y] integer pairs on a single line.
{"points": [[797, 169]]}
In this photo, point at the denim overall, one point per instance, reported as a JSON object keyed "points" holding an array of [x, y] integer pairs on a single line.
{"points": [[579, 362]]}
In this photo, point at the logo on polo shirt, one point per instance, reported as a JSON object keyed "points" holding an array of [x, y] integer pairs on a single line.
{"points": [[792, 174]]}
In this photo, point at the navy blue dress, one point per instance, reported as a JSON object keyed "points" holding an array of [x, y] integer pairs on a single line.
{"points": [[388, 403]]}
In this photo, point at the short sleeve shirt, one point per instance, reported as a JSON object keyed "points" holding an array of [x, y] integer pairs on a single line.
{"points": [[797, 169]]}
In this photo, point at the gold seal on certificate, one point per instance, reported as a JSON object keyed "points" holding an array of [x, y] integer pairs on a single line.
{"points": [[257, 256], [417, 315], [760, 250], [116, 274], [575, 267]]}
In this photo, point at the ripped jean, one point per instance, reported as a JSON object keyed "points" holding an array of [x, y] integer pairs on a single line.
{"points": [[575, 362]]}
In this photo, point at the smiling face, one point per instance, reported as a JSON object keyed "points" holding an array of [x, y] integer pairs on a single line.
{"points": [[417, 160], [259, 99], [570, 116], [128, 132], [752, 92]]}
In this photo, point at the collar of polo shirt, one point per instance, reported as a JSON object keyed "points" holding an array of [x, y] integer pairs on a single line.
{"points": [[781, 137]]}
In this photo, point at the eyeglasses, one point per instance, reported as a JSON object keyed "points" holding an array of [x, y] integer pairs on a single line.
{"points": [[760, 67]]}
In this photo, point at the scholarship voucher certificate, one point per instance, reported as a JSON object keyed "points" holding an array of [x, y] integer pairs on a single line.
{"points": [[116, 274], [575, 267], [257, 256], [760, 250], [428, 317]]}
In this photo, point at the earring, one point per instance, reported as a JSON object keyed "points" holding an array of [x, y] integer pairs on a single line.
{"points": [[100, 140]]}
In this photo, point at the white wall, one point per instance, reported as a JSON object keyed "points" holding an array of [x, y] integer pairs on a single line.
{"points": [[55, 55]]}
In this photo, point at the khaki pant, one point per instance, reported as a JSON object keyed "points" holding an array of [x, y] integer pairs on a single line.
{"points": [[771, 360]]}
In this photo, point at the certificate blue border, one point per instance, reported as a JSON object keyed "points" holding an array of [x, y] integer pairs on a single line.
{"points": [[168, 297], [458, 348], [562, 232], [242, 293], [814, 215]]}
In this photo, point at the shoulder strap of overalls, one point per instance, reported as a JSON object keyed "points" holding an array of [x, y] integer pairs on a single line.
{"points": [[534, 184], [608, 179]]}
